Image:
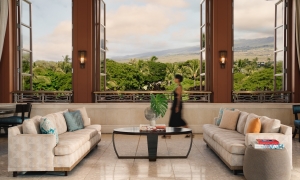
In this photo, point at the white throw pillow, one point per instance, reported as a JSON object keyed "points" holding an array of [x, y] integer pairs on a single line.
{"points": [[229, 119], [269, 125]]}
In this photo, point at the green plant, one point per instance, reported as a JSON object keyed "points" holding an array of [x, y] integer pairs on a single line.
{"points": [[159, 104]]}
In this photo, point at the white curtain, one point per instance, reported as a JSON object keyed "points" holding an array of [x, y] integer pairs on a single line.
{"points": [[298, 30], [3, 22]]}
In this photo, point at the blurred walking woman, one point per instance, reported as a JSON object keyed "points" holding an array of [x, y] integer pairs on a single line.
{"points": [[176, 119]]}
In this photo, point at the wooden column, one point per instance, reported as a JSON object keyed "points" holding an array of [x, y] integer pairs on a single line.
{"points": [[7, 59], [295, 71], [222, 37], [82, 40]]}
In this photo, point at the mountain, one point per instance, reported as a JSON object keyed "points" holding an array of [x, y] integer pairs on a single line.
{"points": [[262, 48]]}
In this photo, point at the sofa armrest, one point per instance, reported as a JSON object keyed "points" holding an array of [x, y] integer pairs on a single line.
{"points": [[284, 129], [31, 152], [285, 139]]}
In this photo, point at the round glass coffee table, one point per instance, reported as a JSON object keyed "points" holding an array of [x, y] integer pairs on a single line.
{"points": [[152, 139]]}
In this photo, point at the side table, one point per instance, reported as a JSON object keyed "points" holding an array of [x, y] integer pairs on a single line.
{"points": [[266, 164]]}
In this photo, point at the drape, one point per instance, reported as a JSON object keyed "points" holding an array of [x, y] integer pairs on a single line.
{"points": [[298, 30], [3, 22]]}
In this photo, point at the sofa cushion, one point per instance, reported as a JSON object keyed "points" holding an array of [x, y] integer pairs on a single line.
{"points": [[231, 141], [242, 122], [269, 125], [94, 126], [74, 120], [69, 142], [84, 115], [250, 117], [48, 127], [229, 119], [60, 121], [211, 130], [32, 126], [254, 126], [221, 114]]}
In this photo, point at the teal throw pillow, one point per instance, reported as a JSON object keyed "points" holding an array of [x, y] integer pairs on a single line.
{"points": [[47, 127], [74, 120], [221, 114]]}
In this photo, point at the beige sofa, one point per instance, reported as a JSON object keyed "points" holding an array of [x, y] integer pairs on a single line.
{"points": [[230, 145], [39, 152]]}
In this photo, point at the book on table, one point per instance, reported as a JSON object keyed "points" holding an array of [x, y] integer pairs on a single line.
{"points": [[267, 141], [255, 145], [157, 127]]}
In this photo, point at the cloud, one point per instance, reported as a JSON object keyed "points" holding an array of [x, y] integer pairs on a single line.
{"points": [[168, 3], [253, 19], [140, 20], [54, 45]]}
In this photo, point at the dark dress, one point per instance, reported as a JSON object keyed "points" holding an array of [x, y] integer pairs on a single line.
{"points": [[175, 119]]}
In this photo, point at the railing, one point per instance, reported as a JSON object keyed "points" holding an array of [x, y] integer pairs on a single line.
{"points": [[42, 96], [144, 96], [261, 96]]}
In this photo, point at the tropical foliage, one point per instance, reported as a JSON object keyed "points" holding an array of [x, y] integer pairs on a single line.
{"points": [[152, 75], [159, 104]]}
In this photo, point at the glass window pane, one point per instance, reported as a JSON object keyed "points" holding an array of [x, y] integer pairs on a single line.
{"points": [[102, 43], [203, 37], [279, 57], [278, 82], [203, 13], [279, 38], [26, 83], [202, 55], [102, 13], [102, 62], [26, 38], [26, 62], [279, 14], [25, 11]]}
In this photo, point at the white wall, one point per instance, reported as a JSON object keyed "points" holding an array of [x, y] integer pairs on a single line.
{"points": [[114, 115]]}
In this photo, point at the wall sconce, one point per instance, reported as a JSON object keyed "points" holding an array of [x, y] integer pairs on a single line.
{"points": [[223, 57], [82, 58]]}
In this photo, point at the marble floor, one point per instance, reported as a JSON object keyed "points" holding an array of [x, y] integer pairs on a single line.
{"points": [[102, 163]]}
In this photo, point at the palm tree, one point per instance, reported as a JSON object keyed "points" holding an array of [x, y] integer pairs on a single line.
{"points": [[193, 69], [153, 58], [172, 69]]}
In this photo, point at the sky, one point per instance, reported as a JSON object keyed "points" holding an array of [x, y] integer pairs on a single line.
{"points": [[138, 26]]}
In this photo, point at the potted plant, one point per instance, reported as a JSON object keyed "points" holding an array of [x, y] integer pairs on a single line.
{"points": [[157, 109]]}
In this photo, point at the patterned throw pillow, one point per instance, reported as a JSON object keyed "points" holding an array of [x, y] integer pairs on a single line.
{"points": [[47, 127], [74, 120], [221, 114]]}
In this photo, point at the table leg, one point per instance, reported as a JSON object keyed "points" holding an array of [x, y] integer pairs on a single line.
{"points": [[152, 140]]}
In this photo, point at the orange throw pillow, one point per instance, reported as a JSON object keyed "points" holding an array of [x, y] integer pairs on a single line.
{"points": [[254, 126]]}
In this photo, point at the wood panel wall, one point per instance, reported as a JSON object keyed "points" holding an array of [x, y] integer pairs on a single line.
{"points": [[222, 40]]}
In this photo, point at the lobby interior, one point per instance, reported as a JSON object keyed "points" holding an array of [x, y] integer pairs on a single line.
{"points": [[102, 162]]}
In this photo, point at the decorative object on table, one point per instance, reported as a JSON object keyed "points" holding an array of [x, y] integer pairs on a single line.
{"points": [[157, 127], [296, 110], [157, 109], [255, 145], [267, 141], [266, 164]]}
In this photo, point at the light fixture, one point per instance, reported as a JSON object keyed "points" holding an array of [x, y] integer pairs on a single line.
{"points": [[82, 58], [223, 57]]}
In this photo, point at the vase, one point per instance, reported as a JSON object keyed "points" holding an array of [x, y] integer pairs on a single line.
{"points": [[152, 122]]}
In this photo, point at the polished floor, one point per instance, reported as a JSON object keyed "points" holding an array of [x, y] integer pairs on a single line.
{"points": [[102, 163]]}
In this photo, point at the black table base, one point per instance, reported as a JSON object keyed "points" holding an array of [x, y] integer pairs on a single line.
{"points": [[152, 142]]}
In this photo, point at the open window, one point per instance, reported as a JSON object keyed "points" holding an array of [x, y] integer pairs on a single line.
{"points": [[100, 44], [205, 37], [24, 45], [280, 46]]}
